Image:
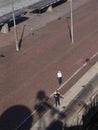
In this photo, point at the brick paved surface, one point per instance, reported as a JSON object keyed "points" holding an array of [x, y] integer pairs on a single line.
{"points": [[34, 68], [33, 22]]}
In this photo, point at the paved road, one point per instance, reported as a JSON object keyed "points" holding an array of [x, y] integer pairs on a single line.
{"points": [[34, 68], [5, 5]]}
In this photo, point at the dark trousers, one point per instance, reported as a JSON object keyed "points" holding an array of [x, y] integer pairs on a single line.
{"points": [[57, 101], [60, 80]]}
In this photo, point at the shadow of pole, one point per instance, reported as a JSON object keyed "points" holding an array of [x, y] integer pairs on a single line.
{"points": [[69, 27], [21, 38]]}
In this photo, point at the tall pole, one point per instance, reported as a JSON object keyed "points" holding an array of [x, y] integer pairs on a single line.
{"points": [[71, 15], [15, 29]]}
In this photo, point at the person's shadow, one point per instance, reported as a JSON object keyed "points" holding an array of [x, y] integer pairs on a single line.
{"points": [[16, 118]]}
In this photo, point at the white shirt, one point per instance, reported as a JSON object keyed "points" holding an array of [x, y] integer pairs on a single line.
{"points": [[59, 74]]}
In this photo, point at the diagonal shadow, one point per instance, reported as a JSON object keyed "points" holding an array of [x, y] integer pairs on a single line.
{"points": [[21, 38], [69, 28], [62, 122]]}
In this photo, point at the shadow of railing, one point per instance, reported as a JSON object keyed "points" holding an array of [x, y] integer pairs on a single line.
{"points": [[20, 117], [59, 123]]}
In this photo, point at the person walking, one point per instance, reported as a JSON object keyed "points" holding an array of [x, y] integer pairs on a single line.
{"points": [[59, 76], [57, 97]]}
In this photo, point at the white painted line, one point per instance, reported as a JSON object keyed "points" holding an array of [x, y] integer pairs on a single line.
{"points": [[75, 73], [70, 78]]}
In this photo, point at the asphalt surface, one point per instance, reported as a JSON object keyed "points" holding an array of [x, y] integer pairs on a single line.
{"points": [[49, 49], [5, 5]]}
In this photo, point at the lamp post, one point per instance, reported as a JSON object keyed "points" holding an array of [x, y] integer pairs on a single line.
{"points": [[15, 30], [71, 16]]}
